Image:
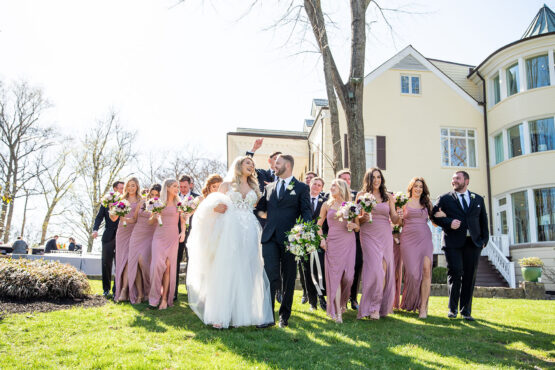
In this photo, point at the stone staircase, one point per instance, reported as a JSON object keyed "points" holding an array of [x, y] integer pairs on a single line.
{"points": [[488, 275]]}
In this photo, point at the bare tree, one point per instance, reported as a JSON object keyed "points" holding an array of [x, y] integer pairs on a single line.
{"points": [[55, 182], [22, 139], [103, 153]]}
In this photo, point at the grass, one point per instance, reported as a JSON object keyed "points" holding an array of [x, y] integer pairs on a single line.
{"points": [[507, 333]]}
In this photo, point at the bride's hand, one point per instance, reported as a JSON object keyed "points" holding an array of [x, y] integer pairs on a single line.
{"points": [[220, 208]]}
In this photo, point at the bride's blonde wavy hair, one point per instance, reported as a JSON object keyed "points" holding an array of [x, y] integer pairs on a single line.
{"points": [[235, 174]]}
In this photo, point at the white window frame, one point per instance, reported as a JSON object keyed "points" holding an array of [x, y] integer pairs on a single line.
{"points": [[375, 154], [410, 76], [466, 137]]}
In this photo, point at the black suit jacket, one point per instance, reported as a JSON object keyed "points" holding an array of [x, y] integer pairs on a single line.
{"points": [[50, 246], [283, 213], [475, 220], [195, 195], [321, 200], [71, 247], [110, 227]]}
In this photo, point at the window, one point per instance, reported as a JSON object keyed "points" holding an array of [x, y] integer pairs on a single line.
{"points": [[370, 147], [513, 84], [542, 135], [516, 140], [521, 229], [496, 90], [537, 72], [410, 84], [545, 213], [499, 152], [458, 147]]}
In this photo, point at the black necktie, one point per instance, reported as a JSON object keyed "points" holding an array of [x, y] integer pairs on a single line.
{"points": [[281, 189], [313, 205], [465, 205]]}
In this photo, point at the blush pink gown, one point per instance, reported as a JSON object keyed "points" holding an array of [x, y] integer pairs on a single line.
{"points": [[140, 248], [123, 235]]}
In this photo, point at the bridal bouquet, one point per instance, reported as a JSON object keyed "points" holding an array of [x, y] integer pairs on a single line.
{"points": [[110, 198], [303, 239], [188, 204], [401, 199], [348, 211], [155, 205], [367, 202], [121, 209]]}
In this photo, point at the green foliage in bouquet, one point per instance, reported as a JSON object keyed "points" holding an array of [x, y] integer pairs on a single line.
{"points": [[31, 279], [303, 239]]}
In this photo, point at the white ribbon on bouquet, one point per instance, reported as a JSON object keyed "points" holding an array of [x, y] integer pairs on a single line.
{"points": [[318, 283]]}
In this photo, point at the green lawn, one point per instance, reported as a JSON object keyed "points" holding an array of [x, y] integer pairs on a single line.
{"points": [[507, 333]]}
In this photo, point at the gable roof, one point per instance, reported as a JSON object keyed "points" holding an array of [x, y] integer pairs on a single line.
{"points": [[409, 58], [543, 22]]}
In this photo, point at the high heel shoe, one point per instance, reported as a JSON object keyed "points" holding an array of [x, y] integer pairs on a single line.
{"points": [[375, 315]]}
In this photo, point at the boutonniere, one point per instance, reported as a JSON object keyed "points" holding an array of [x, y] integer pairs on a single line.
{"points": [[472, 195], [291, 185], [320, 200]]}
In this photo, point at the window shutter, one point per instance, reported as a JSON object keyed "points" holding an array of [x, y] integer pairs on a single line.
{"points": [[346, 154], [380, 152]]}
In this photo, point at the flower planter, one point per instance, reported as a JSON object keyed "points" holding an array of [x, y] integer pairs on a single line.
{"points": [[531, 273]]}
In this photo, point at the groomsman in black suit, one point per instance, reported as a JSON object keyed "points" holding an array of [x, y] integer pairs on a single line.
{"points": [[185, 190], [304, 299], [108, 241], [463, 218], [345, 174], [283, 202], [316, 201]]}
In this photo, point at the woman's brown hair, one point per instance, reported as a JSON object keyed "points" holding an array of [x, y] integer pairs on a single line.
{"points": [[211, 180], [425, 197], [369, 179]]}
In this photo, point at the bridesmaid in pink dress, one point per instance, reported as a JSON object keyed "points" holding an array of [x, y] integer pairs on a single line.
{"points": [[123, 235], [140, 249], [165, 243], [340, 248], [378, 268], [398, 262], [417, 248]]}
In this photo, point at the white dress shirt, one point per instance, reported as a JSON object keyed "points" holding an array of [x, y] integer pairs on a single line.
{"points": [[466, 198], [287, 181]]}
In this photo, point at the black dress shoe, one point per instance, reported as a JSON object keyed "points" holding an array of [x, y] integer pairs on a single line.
{"points": [[313, 308], [283, 323], [279, 296], [354, 304], [451, 315], [264, 326], [468, 317], [323, 304], [304, 299]]}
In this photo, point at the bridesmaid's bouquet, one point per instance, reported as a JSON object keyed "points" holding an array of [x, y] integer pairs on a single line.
{"points": [[396, 231], [121, 209], [155, 205], [400, 199], [303, 239], [188, 204], [110, 198], [367, 202], [348, 211]]}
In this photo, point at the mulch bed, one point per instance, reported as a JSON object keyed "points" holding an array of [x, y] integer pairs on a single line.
{"points": [[10, 305]]}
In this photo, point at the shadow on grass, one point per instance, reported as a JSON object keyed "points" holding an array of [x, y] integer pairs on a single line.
{"points": [[312, 340]]}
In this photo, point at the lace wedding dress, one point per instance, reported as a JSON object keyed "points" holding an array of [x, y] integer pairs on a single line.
{"points": [[226, 282]]}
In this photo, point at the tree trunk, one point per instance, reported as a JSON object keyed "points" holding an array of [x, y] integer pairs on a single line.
{"points": [[24, 214], [45, 223], [337, 162], [3, 213]]}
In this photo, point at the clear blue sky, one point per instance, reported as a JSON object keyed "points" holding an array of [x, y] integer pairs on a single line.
{"points": [[194, 70]]}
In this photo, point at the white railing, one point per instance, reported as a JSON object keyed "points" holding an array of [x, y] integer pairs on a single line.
{"points": [[502, 242], [498, 259]]}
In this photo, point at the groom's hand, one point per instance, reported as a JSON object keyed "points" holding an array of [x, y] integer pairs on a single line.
{"points": [[220, 208], [455, 224]]}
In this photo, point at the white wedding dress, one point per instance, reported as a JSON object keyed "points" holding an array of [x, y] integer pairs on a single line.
{"points": [[226, 281]]}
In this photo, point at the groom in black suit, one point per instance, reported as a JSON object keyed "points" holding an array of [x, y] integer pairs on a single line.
{"points": [[465, 233], [283, 202]]}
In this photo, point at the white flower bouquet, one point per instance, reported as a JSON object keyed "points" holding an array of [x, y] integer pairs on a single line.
{"points": [[110, 198], [121, 209], [303, 239], [367, 202], [155, 205], [401, 199]]}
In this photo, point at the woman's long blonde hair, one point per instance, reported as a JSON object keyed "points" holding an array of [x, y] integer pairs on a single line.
{"points": [[235, 173], [164, 192], [343, 189], [126, 191]]}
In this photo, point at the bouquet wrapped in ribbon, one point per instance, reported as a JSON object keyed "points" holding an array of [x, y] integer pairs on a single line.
{"points": [[121, 209], [400, 199], [110, 198], [367, 202], [303, 239], [155, 205], [396, 231]]}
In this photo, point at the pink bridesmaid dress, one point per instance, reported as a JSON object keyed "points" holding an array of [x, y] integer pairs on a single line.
{"points": [[165, 243], [398, 273], [123, 235], [339, 261], [378, 286], [416, 244], [140, 248]]}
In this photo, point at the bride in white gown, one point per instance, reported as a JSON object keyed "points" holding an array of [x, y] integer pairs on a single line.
{"points": [[226, 281]]}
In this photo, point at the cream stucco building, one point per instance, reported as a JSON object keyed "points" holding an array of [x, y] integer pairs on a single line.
{"points": [[428, 117]]}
